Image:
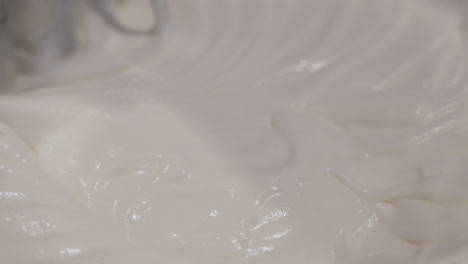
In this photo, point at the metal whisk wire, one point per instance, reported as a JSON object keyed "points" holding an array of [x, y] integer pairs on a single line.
{"points": [[3, 13], [159, 11]]}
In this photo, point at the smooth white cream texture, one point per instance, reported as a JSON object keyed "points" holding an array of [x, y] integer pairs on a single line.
{"points": [[263, 131]]}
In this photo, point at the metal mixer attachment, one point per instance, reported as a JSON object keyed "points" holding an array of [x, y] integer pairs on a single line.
{"points": [[35, 34]]}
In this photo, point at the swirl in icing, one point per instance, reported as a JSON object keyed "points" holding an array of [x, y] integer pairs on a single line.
{"points": [[264, 131]]}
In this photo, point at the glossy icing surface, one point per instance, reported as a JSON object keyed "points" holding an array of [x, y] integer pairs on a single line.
{"points": [[263, 131]]}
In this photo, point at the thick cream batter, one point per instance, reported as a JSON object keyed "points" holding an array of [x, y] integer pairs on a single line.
{"points": [[264, 131]]}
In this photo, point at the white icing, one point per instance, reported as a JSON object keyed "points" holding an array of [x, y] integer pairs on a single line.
{"points": [[264, 131]]}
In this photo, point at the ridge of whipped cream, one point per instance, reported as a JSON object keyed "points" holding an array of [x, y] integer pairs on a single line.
{"points": [[267, 131]]}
